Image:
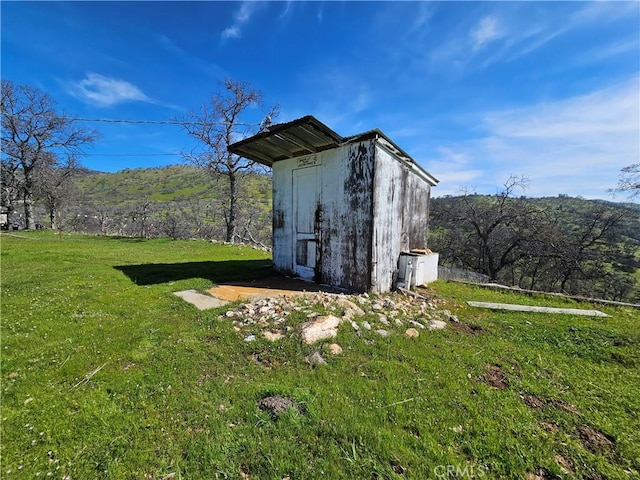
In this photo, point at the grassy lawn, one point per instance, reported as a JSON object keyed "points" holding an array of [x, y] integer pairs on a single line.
{"points": [[106, 374]]}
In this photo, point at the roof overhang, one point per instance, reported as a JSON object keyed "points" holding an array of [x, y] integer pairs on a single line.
{"points": [[308, 135], [299, 137]]}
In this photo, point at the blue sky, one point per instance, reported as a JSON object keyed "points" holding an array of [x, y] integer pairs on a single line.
{"points": [[473, 91]]}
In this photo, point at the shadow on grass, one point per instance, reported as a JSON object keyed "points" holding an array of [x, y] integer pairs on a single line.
{"points": [[215, 272]]}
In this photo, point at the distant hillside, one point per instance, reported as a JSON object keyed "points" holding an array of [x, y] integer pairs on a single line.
{"points": [[567, 244], [576, 211], [178, 201], [166, 184], [571, 211]]}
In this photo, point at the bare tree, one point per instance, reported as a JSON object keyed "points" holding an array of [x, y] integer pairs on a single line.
{"points": [[141, 225], [491, 231], [10, 184], [216, 125], [31, 129], [630, 180], [567, 246], [585, 249], [54, 185]]}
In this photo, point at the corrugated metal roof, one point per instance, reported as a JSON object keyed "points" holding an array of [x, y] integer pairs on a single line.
{"points": [[287, 140], [308, 135]]}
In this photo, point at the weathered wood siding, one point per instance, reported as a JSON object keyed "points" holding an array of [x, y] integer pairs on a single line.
{"points": [[345, 218], [371, 207], [347, 193], [283, 221], [400, 216]]}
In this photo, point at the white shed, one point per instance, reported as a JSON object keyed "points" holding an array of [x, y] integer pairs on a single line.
{"points": [[344, 208]]}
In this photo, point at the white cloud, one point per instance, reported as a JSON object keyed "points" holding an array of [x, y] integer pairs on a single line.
{"points": [[231, 32], [518, 30], [454, 170], [106, 91], [287, 9], [241, 16], [575, 146], [485, 32], [593, 13], [600, 114], [423, 15], [608, 51]]}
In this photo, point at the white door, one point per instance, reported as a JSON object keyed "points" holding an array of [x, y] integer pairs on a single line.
{"points": [[306, 199]]}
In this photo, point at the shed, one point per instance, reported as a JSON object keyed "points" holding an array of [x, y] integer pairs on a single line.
{"points": [[344, 208]]}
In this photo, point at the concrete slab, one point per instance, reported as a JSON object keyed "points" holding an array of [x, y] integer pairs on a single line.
{"points": [[527, 308], [200, 301]]}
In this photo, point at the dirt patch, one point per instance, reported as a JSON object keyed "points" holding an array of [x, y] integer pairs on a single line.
{"points": [[565, 464], [266, 360], [277, 405], [541, 474], [397, 468], [533, 401], [549, 427], [467, 328], [495, 377], [595, 441], [567, 407]]}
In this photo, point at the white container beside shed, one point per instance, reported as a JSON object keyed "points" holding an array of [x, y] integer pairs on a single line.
{"points": [[417, 269]]}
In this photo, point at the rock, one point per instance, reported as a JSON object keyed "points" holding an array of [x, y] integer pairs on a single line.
{"points": [[416, 324], [398, 322], [320, 329], [355, 326], [350, 308], [366, 325], [436, 325], [383, 319], [412, 333], [230, 314], [272, 336], [382, 333], [250, 338], [376, 306], [335, 349], [454, 319], [315, 359]]}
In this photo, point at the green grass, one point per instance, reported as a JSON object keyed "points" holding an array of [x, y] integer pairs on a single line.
{"points": [[106, 374]]}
